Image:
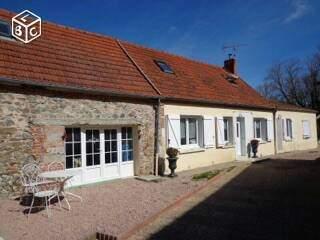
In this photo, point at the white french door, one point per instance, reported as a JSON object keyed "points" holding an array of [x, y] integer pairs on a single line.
{"points": [[106, 153]]}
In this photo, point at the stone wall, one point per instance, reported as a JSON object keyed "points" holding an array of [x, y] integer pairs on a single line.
{"points": [[32, 125]]}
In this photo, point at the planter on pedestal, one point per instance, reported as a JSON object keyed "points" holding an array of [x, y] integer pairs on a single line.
{"points": [[172, 158]]}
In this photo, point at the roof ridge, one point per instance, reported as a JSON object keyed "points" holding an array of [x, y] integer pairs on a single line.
{"points": [[173, 54], [66, 27]]}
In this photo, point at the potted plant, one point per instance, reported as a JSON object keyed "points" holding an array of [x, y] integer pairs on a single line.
{"points": [[172, 158], [254, 146]]}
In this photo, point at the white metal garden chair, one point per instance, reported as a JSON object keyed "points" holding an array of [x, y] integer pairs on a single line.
{"points": [[29, 175], [46, 191]]}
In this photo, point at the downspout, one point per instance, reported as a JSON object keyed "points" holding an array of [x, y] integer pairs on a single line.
{"points": [[156, 106], [275, 131], [157, 137]]}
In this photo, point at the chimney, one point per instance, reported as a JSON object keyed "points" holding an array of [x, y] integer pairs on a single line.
{"points": [[230, 65]]}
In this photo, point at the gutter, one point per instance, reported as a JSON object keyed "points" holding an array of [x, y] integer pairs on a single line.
{"points": [[156, 107], [78, 89]]}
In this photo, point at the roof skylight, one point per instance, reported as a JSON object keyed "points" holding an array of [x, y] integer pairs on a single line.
{"points": [[164, 66], [5, 29]]}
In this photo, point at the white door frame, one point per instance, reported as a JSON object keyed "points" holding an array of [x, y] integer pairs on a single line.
{"points": [[105, 171], [240, 137]]}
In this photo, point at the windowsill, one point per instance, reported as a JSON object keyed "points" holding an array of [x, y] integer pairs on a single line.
{"points": [[306, 138], [264, 141], [288, 140], [227, 146], [191, 150]]}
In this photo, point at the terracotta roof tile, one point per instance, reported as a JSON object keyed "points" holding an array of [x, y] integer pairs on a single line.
{"points": [[72, 58], [194, 80]]}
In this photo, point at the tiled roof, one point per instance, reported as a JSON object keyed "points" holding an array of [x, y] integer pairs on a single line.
{"points": [[194, 80], [290, 107], [71, 57], [74, 58]]}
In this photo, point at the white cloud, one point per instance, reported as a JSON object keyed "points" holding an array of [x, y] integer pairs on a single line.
{"points": [[300, 9]]}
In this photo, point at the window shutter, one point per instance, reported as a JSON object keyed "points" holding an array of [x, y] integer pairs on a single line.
{"points": [[269, 129], [220, 132], [234, 129], [293, 129], [208, 131], [284, 129], [249, 126], [306, 129], [173, 131]]}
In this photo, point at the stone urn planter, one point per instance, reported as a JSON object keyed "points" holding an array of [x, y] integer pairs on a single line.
{"points": [[172, 158], [254, 147]]}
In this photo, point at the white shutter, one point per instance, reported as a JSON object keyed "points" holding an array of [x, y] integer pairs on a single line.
{"points": [[173, 131], [284, 129], [306, 129], [249, 126], [269, 129], [220, 132], [293, 129], [234, 129], [208, 131]]}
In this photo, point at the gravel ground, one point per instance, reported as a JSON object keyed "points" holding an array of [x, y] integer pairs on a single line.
{"points": [[111, 207]]}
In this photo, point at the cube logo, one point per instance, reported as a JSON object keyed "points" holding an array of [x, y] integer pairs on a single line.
{"points": [[26, 26]]}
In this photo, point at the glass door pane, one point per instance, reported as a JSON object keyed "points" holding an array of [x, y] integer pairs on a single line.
{"points": [[111, 146], [92, 147], [127, 144]]}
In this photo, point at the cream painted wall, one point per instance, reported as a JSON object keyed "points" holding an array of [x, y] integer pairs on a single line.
{"points": [[210, 156], [298, 143]]}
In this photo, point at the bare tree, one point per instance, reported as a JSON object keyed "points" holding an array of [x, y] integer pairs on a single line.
{"points": [[294, 82]]}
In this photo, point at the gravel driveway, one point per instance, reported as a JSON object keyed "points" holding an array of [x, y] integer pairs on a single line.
{"points": [[276, 199], [114, 207]]}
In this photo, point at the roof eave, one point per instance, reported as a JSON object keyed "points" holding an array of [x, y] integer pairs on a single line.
{"points": [[217, 103], [75, 89]]}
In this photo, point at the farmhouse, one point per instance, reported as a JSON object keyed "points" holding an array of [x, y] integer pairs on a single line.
{"points": [[108, 109]]}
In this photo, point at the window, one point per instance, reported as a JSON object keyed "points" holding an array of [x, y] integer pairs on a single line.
{"points": [[257, 128], [5, 29], [289, 128], [164, 66], [227, 130], [73, 147], [127, 144], [306, 129], [110, 146], [260, 128], [189, 131]]}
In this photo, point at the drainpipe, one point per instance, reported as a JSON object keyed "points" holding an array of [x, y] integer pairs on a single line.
{"points": [[157, 137], [275, 132]]}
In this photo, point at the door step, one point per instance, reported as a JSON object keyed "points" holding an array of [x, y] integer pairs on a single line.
{"points": [[150, 178]]}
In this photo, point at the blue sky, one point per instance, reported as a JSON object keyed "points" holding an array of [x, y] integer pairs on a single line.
{"points": [[272, 30]]}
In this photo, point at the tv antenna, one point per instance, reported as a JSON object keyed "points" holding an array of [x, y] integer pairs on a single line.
{"points": [[232, 49]]}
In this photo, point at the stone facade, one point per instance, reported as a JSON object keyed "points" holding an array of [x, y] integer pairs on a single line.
{"points": [[32, 123]]}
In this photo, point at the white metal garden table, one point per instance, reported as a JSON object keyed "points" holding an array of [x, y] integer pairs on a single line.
{"points": [[62, 177]]}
